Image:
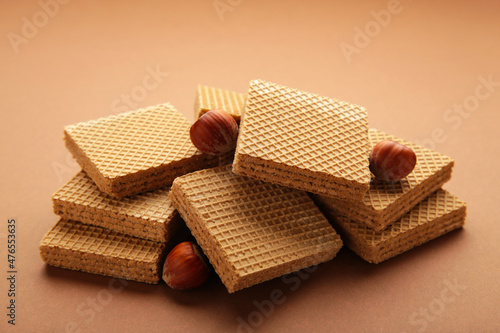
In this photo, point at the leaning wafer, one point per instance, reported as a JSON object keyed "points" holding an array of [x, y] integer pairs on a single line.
{"points": [[136, 151], [252, 231], [438, 214], [149, 215], [209, 98], [385, 202], [304, 141], [82, 247]]}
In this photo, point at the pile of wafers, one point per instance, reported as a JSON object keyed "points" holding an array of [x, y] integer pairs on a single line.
{"points": [[300, 172]]}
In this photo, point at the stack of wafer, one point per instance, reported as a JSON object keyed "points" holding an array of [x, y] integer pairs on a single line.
{"points": [[115, 215], [300, 172], [322, 145], [394, 217]]}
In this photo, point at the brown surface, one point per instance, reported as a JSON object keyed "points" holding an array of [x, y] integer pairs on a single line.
{"points": [[430, 57]]}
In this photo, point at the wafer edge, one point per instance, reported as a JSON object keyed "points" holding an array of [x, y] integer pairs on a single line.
{"points": [[297, 178], [402, 242], [140, 181], [208, 244], [99, 179], [379, 219], [130, 225], [106, 265]]}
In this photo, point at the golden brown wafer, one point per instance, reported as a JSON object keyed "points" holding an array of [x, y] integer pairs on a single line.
{"points": [[436, 215], [385, 202], [136, 151], [150, 215], [82, 247], [250, 230], [209, 98], [304, 141]]}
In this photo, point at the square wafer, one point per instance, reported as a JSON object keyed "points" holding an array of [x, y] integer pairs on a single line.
{"points": [[436, 215], [209, 98], [149, 215], [304, 141], [252, 231], [136, 151], [82, 247], [385, 202]]}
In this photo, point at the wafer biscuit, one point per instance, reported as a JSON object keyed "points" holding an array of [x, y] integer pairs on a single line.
{"points": [[304, 141], [252, 231], [436, 215], [209, 98], [385, 202], [136, 151], [82, 247], [150, 215]]}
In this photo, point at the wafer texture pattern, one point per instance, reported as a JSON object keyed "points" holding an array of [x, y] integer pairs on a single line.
{"points": [[382, 193], [77, 246], [292, 131], [209, 98], [147, 215], [385, 202], [133, 141], [250, 230], [438, 214], [120, 151]]}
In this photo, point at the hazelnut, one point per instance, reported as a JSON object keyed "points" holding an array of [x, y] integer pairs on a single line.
{"points": [[215, 132], [185, 267], [390, 160]]}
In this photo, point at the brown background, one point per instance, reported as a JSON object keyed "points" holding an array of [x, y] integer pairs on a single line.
{"points": [[410, 73]]}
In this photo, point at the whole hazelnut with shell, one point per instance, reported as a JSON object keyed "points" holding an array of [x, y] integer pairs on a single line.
{"points": [[215, 132], [391, 161], [185, 268]]}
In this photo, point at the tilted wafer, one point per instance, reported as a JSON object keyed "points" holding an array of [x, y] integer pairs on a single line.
{"points": [[385, 202], [209, 98], [136, 151], [250, 230], [150, 215], [304, 141], [438, 214], [82, 247]]}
